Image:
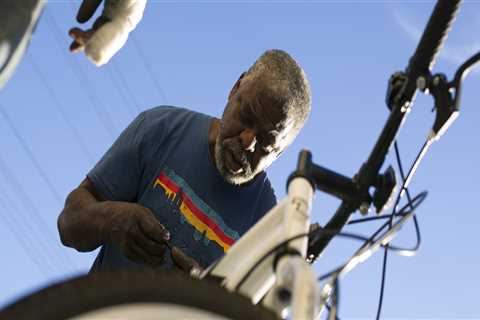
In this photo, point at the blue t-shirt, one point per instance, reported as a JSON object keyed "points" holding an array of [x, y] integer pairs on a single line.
{"points": [[162, 161]]}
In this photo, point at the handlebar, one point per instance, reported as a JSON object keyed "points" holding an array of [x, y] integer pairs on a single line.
{"points": [[434, 35], [357, 189]]}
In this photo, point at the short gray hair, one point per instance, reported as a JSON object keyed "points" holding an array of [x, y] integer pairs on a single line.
{"points": [[286, 79]]}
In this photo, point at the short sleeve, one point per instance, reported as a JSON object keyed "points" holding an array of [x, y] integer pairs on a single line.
{"points": [[118, 173]]}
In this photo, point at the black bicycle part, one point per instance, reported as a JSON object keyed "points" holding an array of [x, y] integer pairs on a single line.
{"points": [[460, 75], [399, 102]]}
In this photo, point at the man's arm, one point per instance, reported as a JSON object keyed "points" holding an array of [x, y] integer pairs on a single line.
{"points": [[88, 221], [82, 221]]}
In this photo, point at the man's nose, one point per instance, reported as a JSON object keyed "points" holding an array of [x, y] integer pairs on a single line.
{"points": [[248, 139]]}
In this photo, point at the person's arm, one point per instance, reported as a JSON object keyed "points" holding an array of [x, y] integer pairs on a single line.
{"points": [[88, 221], [109, 32], [81, 223]]}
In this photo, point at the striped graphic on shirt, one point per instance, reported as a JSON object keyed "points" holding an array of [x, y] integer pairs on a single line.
{"points": [[195, 211]]}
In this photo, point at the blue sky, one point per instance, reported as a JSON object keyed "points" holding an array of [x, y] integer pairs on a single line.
{"points": [[59, 114]]}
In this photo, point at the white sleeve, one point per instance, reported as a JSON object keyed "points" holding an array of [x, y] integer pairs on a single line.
{"points": [[123, 16]]}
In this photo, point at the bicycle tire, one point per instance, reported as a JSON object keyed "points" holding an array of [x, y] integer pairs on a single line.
{"points": [[93, 293]]}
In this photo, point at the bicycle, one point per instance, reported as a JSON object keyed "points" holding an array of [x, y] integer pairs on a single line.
{"points": [[275, 279]]}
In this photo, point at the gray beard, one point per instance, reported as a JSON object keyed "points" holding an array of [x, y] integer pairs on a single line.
{"points": [[236, 179]]}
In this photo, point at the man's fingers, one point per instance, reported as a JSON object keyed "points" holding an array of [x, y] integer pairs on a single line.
{"points": [[80, 36], [87, 9], [141, 255], [151, 247], [154, 229], [183, 261], [76, 47]]}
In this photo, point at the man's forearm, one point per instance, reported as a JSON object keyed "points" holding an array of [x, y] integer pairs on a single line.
{"points": [[82, 222]]}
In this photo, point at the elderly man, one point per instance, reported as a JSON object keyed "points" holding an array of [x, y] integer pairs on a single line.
{"points": [[178, 183]]}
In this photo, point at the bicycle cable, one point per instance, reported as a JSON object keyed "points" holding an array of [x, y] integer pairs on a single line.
{"points": [[404, 187], [391, 217], [349, 235], [416, 201]]}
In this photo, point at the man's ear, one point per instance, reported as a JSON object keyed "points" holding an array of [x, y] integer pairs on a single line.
{"points": [[236, 85]]}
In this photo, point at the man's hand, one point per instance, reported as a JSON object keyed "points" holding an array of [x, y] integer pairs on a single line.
{"points": [[81, 37], [185, 263], [137, 233]]}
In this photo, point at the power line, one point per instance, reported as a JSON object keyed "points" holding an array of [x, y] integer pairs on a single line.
{"points": [[30, 155], [124, 82], [60, 109], [23, 238], [99, 108], [149, 68], [121, 92], [34, 217], [28, 245]]}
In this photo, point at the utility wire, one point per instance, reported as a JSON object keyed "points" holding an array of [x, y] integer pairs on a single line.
{"points": [[87, 87], [124, 82], [131, 111], [149, 68], [23, 238], [34, 218], [60, 108], [30, 155]]}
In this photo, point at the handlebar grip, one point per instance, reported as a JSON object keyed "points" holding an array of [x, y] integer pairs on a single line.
{"points": [[434, 35]]}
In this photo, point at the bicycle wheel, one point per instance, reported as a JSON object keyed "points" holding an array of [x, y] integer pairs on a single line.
{"points": [[142, 295]]}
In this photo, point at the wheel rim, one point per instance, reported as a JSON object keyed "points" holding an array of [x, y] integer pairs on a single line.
{"points": [[149, 311]]}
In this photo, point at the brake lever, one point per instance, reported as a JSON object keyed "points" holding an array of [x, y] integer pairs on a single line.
{"points": [[447, 97], [461, 73]]}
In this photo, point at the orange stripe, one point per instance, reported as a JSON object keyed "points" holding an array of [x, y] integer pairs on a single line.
{"points": [[202, 227]]}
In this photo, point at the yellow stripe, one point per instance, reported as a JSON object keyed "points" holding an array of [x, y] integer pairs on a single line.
{"points": [[168, 192], [202, 227]]}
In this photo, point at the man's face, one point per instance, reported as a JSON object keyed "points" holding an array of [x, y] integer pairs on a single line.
{"points": [[254, 132]]}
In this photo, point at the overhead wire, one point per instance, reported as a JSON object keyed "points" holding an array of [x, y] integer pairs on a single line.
{"points": [[32, 218], [34, 161], [41, 262], [30, 155], [117, 85], [60, 109], [98, 106], [149, 68], [123, 81]]}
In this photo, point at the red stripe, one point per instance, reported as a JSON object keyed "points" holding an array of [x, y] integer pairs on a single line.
{"points": [[206, 220], [168, 183]]}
